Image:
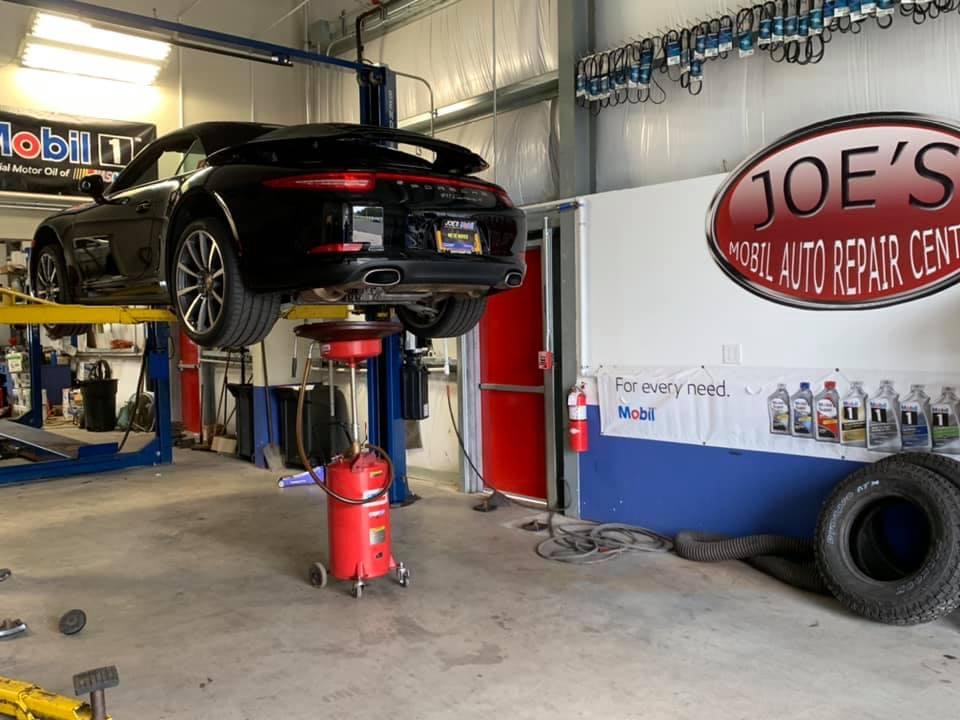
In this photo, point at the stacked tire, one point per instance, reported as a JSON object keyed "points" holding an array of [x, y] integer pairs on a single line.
{"points": [[888, 539]]}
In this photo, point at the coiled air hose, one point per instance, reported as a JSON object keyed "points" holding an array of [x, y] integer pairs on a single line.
{"points": [[302, 451]]}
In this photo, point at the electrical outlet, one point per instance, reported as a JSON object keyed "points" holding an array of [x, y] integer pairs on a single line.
{"points": [[733, 354]]}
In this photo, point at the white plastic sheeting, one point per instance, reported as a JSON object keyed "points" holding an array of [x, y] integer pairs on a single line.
{"points": [[746, 104], [523, 162], [453, 49]]}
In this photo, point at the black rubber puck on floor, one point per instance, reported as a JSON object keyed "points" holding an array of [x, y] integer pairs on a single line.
{"points": [[5, 574], [73, 621]]}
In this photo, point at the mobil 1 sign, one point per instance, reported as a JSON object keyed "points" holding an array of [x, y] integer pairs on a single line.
{"points": [[50, 154], [854, 414], [854, 213]]}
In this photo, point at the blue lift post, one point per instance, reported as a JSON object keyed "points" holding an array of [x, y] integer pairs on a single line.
{"points": [[378, 106]]}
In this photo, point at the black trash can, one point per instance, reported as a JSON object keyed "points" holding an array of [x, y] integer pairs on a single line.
{"points": [[243, 396], [323, 436], [99, 405]]}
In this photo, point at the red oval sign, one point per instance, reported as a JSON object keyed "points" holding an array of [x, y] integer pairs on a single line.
{"points": [[854, 213]]}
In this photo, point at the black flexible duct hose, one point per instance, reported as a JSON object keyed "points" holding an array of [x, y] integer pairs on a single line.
{"points": [[787, 559], [706, 547], [803, 576]]}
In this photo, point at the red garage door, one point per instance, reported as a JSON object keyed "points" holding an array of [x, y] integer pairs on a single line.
{"points": [[511, 388]]}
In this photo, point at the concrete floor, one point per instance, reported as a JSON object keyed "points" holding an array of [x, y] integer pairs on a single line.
{"points": [[193, 578]]}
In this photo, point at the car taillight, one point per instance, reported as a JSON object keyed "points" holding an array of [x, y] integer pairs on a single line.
{"points": [[367, 181], [343, 182]]}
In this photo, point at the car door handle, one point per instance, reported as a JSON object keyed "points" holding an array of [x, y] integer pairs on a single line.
{"points": [[143, 207]]}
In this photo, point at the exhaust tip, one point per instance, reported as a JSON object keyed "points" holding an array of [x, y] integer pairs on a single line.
{"points": [[514, 279], [386, 277]]}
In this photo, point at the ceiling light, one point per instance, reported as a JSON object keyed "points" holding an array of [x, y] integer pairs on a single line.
{"points": [[77, 32], [80, 62]]}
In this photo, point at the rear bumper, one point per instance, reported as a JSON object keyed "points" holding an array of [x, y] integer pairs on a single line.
{"points": [[411, 271]]}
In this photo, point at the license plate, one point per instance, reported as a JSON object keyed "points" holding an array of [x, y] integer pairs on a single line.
{"points": [[459, 237]]}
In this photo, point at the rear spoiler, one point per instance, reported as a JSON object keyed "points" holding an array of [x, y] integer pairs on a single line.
{"points": [[450, 159]]}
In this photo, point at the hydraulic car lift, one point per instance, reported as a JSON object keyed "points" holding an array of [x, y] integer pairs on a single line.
{"points": [[378, 106]]}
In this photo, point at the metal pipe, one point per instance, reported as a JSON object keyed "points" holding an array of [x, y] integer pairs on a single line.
{"points": [[354, 404], [583, 308], [553, 205], [433, 107], [387, 10], [496, 165], [308, 69], [361, 19]]}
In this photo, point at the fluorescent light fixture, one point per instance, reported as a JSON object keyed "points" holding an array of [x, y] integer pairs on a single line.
{"points": [[80, 62], [69, 31]]}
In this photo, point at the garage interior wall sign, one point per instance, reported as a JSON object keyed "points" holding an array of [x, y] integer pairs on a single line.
{"points": [[50, 154], [853, 213], [846, 413]]}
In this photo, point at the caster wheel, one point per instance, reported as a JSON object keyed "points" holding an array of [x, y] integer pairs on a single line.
{"points": [[357, 591], [403, 577], [318, 575]]}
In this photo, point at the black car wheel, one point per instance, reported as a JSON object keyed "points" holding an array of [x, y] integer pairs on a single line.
{"points": [[210, 297], [447, 318], [50, 282]]}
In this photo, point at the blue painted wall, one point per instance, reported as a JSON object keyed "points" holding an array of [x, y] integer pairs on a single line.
{"points": [[670, 487]]}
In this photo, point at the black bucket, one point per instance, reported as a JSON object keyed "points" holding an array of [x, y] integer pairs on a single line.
{"points": [[99, 405]]}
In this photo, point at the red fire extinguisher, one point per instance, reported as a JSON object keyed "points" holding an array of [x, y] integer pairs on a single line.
{"points": [[577, 410]]}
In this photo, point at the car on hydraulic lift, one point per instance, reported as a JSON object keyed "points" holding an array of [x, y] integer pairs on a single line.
{"points": [[227, 221]]}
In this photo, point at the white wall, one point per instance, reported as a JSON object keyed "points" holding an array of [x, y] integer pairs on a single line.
{"points": [[746, 104], [655, 297]]}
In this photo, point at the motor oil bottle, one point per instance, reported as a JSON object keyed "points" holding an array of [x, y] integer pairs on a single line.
{"points": [[915, 419], [945, 427], [827, 406], [778, 408], [883, 422], [801, 412], [853, 416]]}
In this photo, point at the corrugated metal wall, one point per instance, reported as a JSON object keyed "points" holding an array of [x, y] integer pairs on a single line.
{"points": [[746, 104], [453, 49]]}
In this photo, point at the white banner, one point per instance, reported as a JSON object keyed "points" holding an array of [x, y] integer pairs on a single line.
{"points": [[858, 415]]}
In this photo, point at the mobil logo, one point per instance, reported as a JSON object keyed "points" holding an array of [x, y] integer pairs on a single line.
{"points": [[74, 148], [626, 412]]}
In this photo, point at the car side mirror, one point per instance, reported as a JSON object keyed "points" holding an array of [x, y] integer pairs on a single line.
{"points": [[93, 185]]}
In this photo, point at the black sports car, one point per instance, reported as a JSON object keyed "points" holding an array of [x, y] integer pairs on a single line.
{"points": [[226, 221]]}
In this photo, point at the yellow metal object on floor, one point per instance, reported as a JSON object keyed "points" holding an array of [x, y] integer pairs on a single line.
{"points": [[17, 308], [25, 701]]}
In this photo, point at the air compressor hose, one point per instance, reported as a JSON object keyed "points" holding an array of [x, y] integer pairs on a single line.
{"points": [[302, 451]]}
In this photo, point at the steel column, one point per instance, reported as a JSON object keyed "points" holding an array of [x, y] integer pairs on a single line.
{"points": [[577, 174], [378, 106], [34, 416]]}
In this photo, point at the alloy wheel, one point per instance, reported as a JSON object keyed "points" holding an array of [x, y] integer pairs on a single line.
{"points": [[200, 282], [48, 279]]}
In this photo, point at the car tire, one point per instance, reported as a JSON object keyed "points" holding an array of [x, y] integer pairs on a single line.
{"points": [[868, 583], [209, 295], [50, 281], [450, 317]]}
